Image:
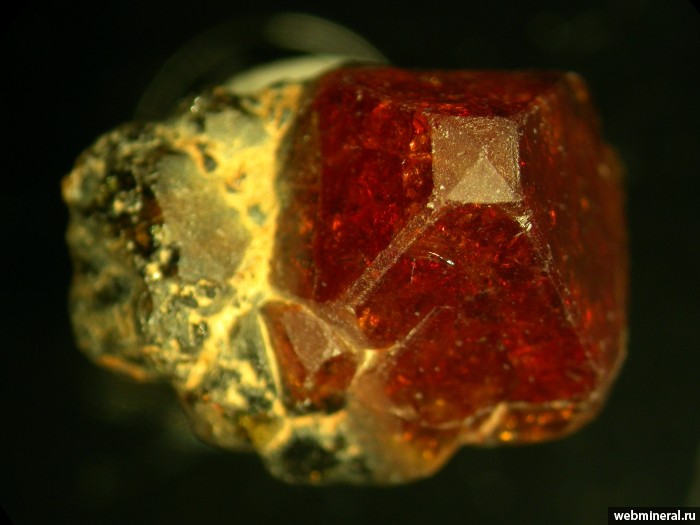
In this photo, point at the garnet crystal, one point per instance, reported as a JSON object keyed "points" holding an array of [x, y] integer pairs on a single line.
{"points": [[429, 259]]}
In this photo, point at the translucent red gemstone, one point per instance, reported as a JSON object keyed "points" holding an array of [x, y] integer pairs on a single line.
{"points": [[459, 235]]}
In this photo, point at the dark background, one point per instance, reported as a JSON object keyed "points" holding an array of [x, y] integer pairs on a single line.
{"points": [[81, 446]]}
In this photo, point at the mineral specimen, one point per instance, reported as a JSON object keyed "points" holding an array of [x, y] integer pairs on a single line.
{"points": [[357, 273]]}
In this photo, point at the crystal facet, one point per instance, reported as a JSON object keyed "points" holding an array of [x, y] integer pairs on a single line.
{"points": [[359, 273]]}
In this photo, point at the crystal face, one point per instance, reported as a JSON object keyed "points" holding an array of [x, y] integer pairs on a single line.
{"points": [[358, 274]]}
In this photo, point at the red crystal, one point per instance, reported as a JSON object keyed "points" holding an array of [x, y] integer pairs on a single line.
{"points": [[316, 366], [458, 238]]}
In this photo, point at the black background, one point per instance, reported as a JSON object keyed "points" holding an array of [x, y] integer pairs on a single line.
{"points": [[80, 446]]}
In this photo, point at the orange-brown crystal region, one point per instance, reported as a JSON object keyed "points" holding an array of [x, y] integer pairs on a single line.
{"points": [[315, 364], [460, 236]]}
